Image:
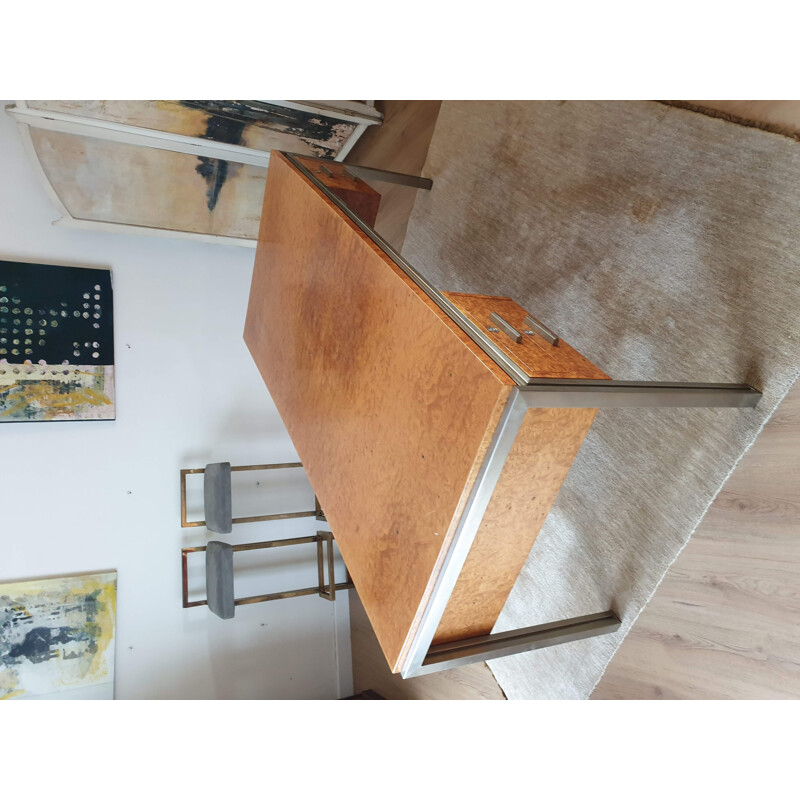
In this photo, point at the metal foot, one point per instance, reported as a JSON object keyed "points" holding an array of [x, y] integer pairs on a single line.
{"points": [[367, 173], [508, 643], [577, 393]]}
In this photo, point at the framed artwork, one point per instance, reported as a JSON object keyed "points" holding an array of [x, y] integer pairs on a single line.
{"points": [[187, 168], [56, 343], [57, 638]]}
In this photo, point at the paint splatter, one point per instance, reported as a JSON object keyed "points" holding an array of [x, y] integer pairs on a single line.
{"points": [[228, 121]]}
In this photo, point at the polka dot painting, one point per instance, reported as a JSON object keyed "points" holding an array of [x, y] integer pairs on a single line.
{"points": [[55, 316], [68, 301]]}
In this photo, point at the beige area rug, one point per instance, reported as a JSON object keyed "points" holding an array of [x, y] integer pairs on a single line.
{"points": [[662, 244]]}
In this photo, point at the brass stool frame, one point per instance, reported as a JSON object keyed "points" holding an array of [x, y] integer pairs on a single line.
{"points": [[328, 591], [318, 513]]}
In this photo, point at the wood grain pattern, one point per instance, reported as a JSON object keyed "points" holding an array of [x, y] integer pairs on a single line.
{"points": [[538, 463], [756, 517], [362, 199], [534, 354], [387, 402], [400, 145]]}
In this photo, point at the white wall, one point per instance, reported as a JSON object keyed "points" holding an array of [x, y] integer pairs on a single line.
{"points": [[86, 496]]}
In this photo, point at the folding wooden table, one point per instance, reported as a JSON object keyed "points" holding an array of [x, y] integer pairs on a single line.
{"points": [[436, 429]]}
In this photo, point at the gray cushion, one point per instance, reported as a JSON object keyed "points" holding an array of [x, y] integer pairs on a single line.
{"points": [[217, 497], [219, 579]]}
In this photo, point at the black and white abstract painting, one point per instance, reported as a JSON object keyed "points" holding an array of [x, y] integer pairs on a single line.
{"points": [[56, 343]]}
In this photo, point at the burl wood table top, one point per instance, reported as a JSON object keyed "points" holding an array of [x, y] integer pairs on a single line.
{"points": [[390, 405]]}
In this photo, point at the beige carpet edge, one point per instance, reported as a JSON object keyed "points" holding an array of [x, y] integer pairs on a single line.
{"points": [[733, 119]]}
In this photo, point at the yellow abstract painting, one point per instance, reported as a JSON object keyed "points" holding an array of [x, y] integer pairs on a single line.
{"points": [[57, 637]]}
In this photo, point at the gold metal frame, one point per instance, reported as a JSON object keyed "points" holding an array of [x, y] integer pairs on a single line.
{"points": [[293, 515], [327, 537], [328, 591]]}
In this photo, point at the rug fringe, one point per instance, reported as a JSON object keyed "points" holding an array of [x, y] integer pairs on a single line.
{"points": [[769, 127]]}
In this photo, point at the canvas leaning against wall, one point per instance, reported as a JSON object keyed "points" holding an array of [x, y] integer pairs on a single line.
{"points": [[56, 343], [57, 638], [187, 168]]}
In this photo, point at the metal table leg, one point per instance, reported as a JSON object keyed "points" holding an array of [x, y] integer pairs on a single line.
{"points": [[508, 643]]}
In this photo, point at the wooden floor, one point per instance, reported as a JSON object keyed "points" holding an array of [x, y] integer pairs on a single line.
{"points": [[725, 622]]}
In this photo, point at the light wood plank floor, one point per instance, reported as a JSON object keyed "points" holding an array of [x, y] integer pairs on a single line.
{"points": [[725, 622]]}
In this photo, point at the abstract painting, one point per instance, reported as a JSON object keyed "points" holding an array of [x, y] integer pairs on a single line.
{"points": [[57, 638], [95, 180], [56, 343]]}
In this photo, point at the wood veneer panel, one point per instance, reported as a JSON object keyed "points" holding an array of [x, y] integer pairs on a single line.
{"points": [[535, 355], [542, 454], [389, 405], [537, 465], [362, 199]]}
